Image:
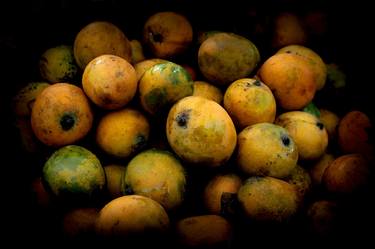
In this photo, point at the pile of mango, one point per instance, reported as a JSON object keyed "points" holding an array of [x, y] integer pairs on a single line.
{"points": [[137, 145]]}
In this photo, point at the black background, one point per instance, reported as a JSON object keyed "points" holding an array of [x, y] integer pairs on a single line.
{"points": [[29, 27]]}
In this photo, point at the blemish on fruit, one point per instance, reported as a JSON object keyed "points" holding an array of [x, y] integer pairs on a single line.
{"points": [[257, 83], [320, 125], [285, 139], [67, 122], [183, 118], [139, 142]]}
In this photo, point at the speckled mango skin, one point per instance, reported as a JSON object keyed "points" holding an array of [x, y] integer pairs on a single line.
{"points": [[226, 57], [98, 38], [24, 100], [200, 131], [266, 149], [268, 199], [315, 61], [122, 133], [249, 101], [208, 91], [73, 171], [301, 180], [203, 231], [307, 131], [162, 85], [143, 66], [109, 81], [57, 64], [131, 215], [52, 105], [156, 174]]}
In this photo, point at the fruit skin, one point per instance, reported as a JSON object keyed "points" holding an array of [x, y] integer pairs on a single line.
{"points": [[290, 78], [330, 121], [278, 160], [249, 101], [98, 38], [300, 178], [208, 91], [200, 131], [219, 188], [113, 174], [317, 64], [204, 231], [347, 174], [24, 100], [353, 134], [162, 85], [307, 131], [167, 34], [288, 29], [268, 199], [79, 223], [109, 81], [61, 115], [317, 170], [156, 174], [226, 57], [57, 64], [131, 215], [137, 52], [74, 173], [143, 66]]}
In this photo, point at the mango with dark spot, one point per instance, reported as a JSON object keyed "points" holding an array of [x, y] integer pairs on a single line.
{"points": [[225, 57], [268, 199], [156, 174], [249, 101], [61, 115], [205, 231], [162, 85], [266, 149], [123, 133], [200, 131], [74, 173], [307, 131]]}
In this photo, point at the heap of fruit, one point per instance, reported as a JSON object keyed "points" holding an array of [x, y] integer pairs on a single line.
{"points": [[150, 147]]}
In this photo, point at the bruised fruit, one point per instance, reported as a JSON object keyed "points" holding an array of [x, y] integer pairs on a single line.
{"points": [[114, 174], [268, 199], [200, 131], [57, 64], [162, 85], [131, 215], [167, 34], [208, 91], [74, 173], [156, 174], [307, 131], [61, 115], [266, 149], [122, 133], [205, 231], [226, 57], [219, 191], [290, 78], [109, 81], [249, 101], [98, 38]]}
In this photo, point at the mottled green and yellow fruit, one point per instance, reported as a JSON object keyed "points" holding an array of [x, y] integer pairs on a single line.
{"points": [[24, 100], [162, 85], [98, 38], [315, 61], [74, 173], [131, 215], [156, 174], [208, 91], [307, 131], [219, 192], [266, 149], [268, 199], [205, 231], [200, 131], [122, 133], [249, 101], [109, 81], [114, 174], [57, 64], [61, 115], [143, 66], [226, 57]]}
